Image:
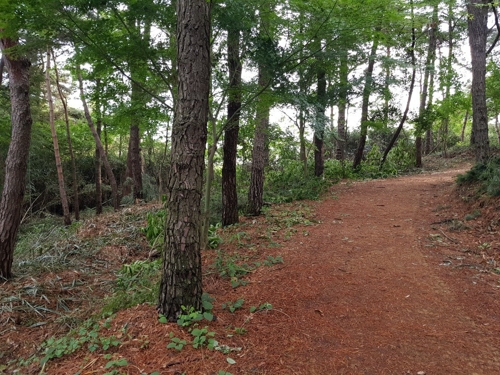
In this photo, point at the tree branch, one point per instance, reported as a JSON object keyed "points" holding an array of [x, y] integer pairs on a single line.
{"points": [[498, 30]]}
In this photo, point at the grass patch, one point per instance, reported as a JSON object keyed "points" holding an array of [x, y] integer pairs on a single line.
{"points": [[136, 283]]}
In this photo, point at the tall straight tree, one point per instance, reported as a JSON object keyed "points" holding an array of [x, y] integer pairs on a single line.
{"points": [[478, 32], [319, 131], [97, 139], [426, 94], [260, 150], [229, 196], [342, 105], [55, 142], [76, 204], [181, 282], [366, 100], [16, 164], [411, 51]]}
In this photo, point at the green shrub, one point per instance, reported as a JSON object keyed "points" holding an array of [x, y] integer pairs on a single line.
{"points": [[486, 174], [290, 183]]}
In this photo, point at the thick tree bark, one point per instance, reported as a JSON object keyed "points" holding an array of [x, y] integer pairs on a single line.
{"points": [[478, 31], [229, 195], [16, 163], [365, 104], [181, 282], [107, 166], [55, 142], [76, 203]]}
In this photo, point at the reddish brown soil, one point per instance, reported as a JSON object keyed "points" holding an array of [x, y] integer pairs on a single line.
{"points": [[388, 279]]}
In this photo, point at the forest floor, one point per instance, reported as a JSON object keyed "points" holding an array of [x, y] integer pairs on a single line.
{"points": [[392, 276]]}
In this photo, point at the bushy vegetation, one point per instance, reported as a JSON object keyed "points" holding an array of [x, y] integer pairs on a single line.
{"points": [[136, 283], [290, 183], [487, 175]]}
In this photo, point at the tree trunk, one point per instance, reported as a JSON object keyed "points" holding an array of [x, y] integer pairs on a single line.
{"points": [[478, 31], [342, 107], [98, 156], [319, 132], [2, 68], [209, 178], [229, 195], [445, 122], [260, 150], [55, 142], [181, 282], [464, 125], [107, 166], [366, 101], [76, 199], [431, 67], [387, 86], [302, 140], [134, 150], [423, 124], [410, 93], [16, 163], [497, 128]]}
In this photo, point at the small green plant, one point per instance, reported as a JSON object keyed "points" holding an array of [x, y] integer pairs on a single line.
{"points": [[233, 306], [115, 363], [136, 283], [176, 343], [242, 238], [474, 215], [270, 261], [155, 228], [262, 307], [457, 225], [240, 330], [203, 337], [222, 372], [226, 266], [214, 240], [88, 333], [192, 316]]}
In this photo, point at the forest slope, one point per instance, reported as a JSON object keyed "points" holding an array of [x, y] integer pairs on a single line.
{"points": [[380, 277]]}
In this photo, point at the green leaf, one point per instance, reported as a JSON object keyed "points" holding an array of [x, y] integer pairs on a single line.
{"points": [[208, 316], [162, 319], [230, 361]]}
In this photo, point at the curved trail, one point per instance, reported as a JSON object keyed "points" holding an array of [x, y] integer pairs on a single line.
{"points": [[369, 297]]}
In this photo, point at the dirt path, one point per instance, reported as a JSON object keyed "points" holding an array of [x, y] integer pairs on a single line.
{"points": [[368, 296], [380, 286]]}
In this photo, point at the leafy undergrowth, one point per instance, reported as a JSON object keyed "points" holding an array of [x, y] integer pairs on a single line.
{"points": [[72, 281], [84, 297]]}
